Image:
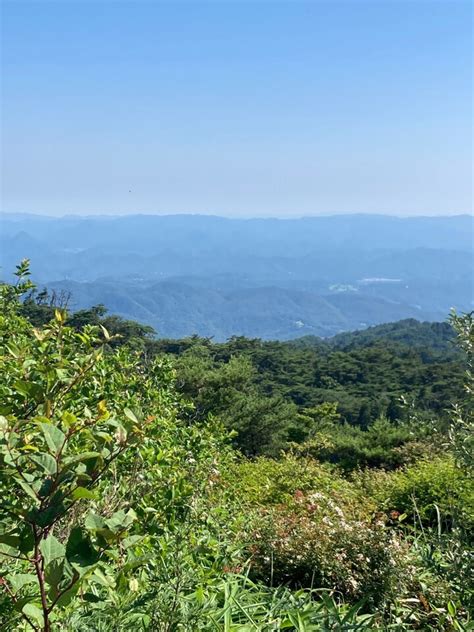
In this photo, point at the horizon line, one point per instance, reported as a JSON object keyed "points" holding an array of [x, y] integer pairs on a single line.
{"points": [[112, 216]]}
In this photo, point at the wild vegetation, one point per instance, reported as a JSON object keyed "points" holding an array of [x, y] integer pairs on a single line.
{"points": [[169, 485]]}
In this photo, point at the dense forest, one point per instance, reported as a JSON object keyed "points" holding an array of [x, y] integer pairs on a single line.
{"points": [[162, 484]]}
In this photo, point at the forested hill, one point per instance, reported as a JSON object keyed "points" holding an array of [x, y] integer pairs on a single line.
{"points": [[432, 337], [435, 337], [265, 391]]}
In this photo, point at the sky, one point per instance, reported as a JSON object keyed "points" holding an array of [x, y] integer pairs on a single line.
{"points": [[236, 108]]}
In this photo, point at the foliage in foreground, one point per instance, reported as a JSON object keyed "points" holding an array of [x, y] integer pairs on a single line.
{"points": [[96, 469], [123, 508]]}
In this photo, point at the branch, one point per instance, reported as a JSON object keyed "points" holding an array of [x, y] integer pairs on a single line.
{"points": [[17, 557], [73, 382], [39, 568]]}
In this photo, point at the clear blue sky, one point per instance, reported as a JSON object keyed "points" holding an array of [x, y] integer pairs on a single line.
{"points": [[242, 109]]}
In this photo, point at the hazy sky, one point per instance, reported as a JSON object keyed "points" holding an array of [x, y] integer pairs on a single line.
{"points": [[242, 109]]}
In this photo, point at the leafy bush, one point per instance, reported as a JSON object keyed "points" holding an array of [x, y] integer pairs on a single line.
{"points": [[263, 481], [310, 527], [316, 544], [97, 472], [307, 525], [382, 445], [429, 490]]}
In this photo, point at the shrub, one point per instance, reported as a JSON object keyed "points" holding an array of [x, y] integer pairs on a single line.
{"points": [[382, 445], [315, 543], [427, 491], [265, 481], [100, 480], [309, 527]]}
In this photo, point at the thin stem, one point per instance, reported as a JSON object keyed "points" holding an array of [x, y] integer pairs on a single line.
{"points": [[16, 557], [39, 568]]}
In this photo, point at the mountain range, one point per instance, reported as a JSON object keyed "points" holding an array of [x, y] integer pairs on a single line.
{"points": [[267, 278]]}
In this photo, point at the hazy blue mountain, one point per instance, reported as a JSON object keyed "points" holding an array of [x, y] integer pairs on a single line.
{"points": [[270, 278], [176, 309], [201, 234]]}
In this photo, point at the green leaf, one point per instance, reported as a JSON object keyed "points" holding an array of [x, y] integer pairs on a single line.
{"points": [[94, 522], [55, 438], [7, 550], [128, 413], [27, 489], [104, 435], [10, 537], [68, 596], [120, 520], [48, 515], [79, 550], [52, 549], [132, 540], [28, 389], [112, 528], [68, 419], [83, 456], [33, 611], [83, 492], [53, 553], [3, 424], [26, 543], [22, 579], [53, 575], [45, 461], [99, 577]]}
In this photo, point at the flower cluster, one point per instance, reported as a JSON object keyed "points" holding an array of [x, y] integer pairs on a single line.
{"points": [[314, 542]]}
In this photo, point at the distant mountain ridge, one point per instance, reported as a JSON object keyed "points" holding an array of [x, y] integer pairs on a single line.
{"points": [[177, 310], [270, 237], [268, 278]]}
